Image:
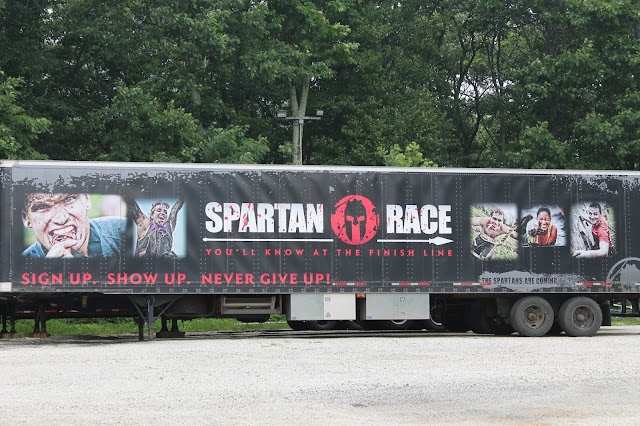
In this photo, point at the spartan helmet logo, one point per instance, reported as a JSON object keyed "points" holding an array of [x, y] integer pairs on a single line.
{"points": [[355, 220], [355, 215]]}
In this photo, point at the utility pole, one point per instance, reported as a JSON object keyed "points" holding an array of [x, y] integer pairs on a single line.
{"points": [[297, 149]]}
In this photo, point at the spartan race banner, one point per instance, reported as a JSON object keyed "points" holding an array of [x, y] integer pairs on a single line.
{"points": [[158, 228]]}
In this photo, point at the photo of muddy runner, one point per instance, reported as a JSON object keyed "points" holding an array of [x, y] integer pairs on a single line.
{"points": [[162, 231], [65, 225], [592, 230], [494, 231]]}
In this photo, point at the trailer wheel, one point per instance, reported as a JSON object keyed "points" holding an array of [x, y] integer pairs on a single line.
{"points": [[399, 325], [454, 318], [531, 316], [434, 323], [386, 324], [431, 325], [455, 324], [580, 316], [321, 325], [298, 325], [351, 325], [483, 318], [477, 317], [497, 326]]}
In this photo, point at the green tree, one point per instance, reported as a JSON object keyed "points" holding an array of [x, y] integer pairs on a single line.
{"points": [[104, 59], [581, 80], [491, 83], [410, 156], [385, 97], [137, 127], [538, 149], [18, 130], [310, 43]]}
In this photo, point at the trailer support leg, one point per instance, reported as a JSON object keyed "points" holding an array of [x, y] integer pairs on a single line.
{"points": [[43, 321], [36, 328], [10, 314], [150, 318], [43, 327], [143, 317], [5, 312], [174, 333], [40, 323], [164, 333], [138, 320], [12, 321]]}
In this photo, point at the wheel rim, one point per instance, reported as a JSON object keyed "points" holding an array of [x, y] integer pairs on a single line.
{"points": [[534, 316], [583, 317]]}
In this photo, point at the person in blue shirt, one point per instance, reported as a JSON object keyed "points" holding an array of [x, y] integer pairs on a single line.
{"points": [[62, 227]]}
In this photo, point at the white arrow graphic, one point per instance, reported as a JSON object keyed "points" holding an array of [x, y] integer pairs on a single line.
{"points": [[438, 241]]}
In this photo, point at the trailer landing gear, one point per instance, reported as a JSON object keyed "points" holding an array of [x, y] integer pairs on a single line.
{"points": [[146, 307], [40, 322], [144, 316], [9, 312], [165, 333]]}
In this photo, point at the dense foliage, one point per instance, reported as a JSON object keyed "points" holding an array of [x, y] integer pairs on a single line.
{"points": [[472, 83]]}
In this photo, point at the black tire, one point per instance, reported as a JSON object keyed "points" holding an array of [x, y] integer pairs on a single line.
{"points": [[312, 325], [431, 325], [483, 318], [434, 323], [476, 318], [370, 324], [298, 325], [386, 324], [398, 325], [455, 324], [416, 325], [605, 307], [454, 318], [502, 329], [321, 325], [254, 319], [351, 325], [580, 316], [498, 326], [531, 316], [341, 325]]}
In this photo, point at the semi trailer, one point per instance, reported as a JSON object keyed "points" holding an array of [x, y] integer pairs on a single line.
{"points": [[489, 250]]}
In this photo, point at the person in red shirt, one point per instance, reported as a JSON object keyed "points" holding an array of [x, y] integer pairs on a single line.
{"points": [[600, 231]]}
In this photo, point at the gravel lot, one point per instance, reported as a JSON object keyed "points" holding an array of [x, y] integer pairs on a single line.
{"points": [[406, 379]]}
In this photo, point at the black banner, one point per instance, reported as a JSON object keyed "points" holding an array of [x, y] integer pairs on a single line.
{"points": [[188, 229]]}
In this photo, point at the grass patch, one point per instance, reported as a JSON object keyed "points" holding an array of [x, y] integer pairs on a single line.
{"points": [[625, 321], [104, 326], [98, 326]]}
